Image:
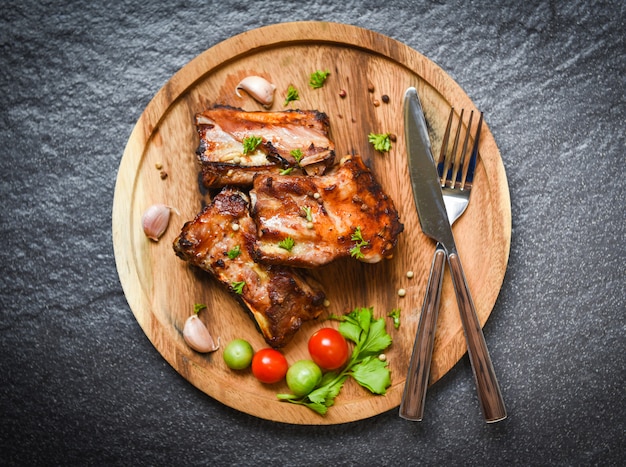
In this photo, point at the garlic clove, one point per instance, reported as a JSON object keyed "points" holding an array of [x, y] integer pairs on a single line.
{"points": [[155, 221], [259, 88], [198, 336]]}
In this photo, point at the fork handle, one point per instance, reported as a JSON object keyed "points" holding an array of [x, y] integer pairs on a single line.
{"points": [[487, 384], [414, 396]]}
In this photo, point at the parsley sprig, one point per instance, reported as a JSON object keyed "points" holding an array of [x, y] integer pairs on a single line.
{"points": [[381, 142], [395, 315], [370, 338], [318, 78], [250, 143], [292, 95], [357, 237], [308, 215], [234, 252], [287, 243], [297, 155], [238, 287]]}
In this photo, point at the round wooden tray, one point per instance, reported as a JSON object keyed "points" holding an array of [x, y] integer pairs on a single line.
{"points": [[161, 289]]}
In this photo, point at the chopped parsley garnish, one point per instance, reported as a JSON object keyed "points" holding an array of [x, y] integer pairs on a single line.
{"points": [[381, 142], [197, 307], [292, 95], [357, 237], [297, 155], [307, 213], [287, 243], [286, 171], [317, 78], [234, 252], [371, 339], [250, 143], [395, 315], [238, 286]]}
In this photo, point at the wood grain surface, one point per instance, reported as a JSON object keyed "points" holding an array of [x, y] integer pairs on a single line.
{"points": [[162, 290]]}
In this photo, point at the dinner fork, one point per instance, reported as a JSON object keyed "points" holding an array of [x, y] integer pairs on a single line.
{"points": [[456, 177]]}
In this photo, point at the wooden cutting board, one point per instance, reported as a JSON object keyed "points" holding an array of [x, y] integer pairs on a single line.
{"points": [[162, 290]]}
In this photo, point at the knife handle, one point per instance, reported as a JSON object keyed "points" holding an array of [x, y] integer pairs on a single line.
{"points": [[489, 393], [414, 396]]}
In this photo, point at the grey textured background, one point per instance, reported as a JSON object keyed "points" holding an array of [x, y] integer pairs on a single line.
{"points": [[82, 385]]}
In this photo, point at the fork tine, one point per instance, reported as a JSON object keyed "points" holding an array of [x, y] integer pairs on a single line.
{"points": [[469, 173], [444, 147], [458, 180], [453, 165]]}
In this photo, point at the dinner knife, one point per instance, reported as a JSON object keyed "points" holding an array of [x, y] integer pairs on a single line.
{"points": [[433, 219]]}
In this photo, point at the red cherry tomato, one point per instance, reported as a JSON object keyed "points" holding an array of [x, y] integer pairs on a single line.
{"points": [[328, 348], [269, 365]]}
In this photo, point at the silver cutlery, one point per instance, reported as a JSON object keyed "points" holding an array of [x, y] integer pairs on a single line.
{"points": [[456, 199], [440, 199]]}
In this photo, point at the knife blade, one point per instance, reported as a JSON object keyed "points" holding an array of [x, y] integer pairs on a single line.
{"points": [[431, 209], [433, 219]]}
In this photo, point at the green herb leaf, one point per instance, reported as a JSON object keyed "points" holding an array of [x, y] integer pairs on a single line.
{"points": [[286, 397], [307, 213], [238, 287], [321, 398], [234, 252], [315, 406], [297, 155], [352, 325], [373, 374], [395, 315], [351, 331], [328, 389], [198, 307], [318, 78], [362, 316], [250, 143], [292, 95], [355, 252], [381, 142], [286, 171], [357, 236], [287, 243], [377, 339]]}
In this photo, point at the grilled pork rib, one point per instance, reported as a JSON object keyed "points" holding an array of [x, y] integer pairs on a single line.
{"points": [[279, 298], [222, 130], [343, 213]]}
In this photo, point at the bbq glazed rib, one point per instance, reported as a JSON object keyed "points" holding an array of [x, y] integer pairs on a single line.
{"points": [[219, 240], [222, 130], [343, 213]]}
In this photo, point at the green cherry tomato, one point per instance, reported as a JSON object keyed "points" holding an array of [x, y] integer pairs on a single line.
{"points": [[238, 354], [303, 376], [269, 365]]}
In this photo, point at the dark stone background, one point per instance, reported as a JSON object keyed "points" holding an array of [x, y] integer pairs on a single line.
{"points": [[82, 385]]}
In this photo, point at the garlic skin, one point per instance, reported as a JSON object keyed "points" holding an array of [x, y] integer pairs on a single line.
{"points": [[259, 88], [155, 221], [198, 337]]}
